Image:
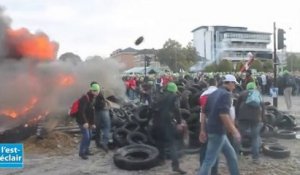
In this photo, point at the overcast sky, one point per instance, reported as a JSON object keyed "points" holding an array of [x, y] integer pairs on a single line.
{"points": [[98, 27]]}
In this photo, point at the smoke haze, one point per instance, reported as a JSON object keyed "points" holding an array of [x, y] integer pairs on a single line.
{"points": [[49, 85]]}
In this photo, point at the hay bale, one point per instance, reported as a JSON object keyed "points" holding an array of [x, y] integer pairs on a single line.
{"points": [[54, 143]]}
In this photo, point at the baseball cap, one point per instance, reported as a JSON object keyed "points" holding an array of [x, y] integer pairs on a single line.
{"points": [[95, 87], [172, 87], [251, 86], [230, 78]]}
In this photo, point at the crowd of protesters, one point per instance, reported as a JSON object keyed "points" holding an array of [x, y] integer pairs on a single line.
{"points": [[139, 87], [225, 116]]}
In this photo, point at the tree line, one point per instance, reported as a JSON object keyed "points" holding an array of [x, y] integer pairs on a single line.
{"points": [[228, 66]]}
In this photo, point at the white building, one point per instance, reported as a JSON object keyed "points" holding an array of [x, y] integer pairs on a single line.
{"points": [[232, 43]]}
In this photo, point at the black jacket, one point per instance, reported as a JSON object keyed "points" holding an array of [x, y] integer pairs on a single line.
{"points": [[167, 111], [86, 111], [289, 81], [100, 102]]}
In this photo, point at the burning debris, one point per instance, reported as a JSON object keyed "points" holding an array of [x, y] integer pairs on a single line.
{"points": [[34, 83], [23, 44]]}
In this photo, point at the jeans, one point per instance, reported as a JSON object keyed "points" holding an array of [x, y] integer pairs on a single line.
{"points": [[252, 129], [85, 140], [216, 144], [214, 170], [234, 143], [131, 93], [103, 125], [287, 92], [146, 97]]}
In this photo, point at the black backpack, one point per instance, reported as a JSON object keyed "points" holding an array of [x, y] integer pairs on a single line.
{"points": [[290, 81]]}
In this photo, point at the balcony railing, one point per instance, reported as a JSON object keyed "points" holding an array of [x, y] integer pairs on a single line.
{"points": [[252, 40], [245, 49]]}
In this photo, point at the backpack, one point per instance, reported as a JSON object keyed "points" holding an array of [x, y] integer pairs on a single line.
{"points": [[73, 111], [254, 98], [290, 81]]}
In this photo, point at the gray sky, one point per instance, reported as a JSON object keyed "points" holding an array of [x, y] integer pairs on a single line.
{"points": [[98, 27]]}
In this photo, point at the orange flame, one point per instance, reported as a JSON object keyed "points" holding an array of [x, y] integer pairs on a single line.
{"points": [[15, 113], [24, 44], [66, 80]]}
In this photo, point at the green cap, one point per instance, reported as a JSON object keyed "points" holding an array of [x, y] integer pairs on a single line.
{"points": [[95, 87], [251, 86], [172, 87], [285, 72], [150, 82]]}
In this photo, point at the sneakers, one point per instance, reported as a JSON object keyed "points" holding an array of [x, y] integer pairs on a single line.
{"points": [[256, 161], [178, 170], [88, 153], [105, 148], [83, 156]]}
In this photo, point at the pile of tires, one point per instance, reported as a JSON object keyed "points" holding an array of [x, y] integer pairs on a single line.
{"points": [[132, 135], [190, 93], [276, 124], [280, 119], [279, 124]]}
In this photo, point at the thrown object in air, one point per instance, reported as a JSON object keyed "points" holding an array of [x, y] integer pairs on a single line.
{"points": [[139, 40]]}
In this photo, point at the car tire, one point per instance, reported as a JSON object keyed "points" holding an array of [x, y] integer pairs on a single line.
{"points": [[136, 138], [136, 157], [285, 134], [276, 151], [120, 137], [131, 126]]}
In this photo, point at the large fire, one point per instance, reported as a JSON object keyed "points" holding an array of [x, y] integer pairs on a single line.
{"points": [[13, 113], [34, 46], [23, 44], [63, 81]]}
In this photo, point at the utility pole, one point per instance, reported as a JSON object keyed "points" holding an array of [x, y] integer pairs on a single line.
{"points": [[145, 68], [275, 98]]}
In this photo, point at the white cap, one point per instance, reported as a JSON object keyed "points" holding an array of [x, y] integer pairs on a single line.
{"points": [[230, 78]]}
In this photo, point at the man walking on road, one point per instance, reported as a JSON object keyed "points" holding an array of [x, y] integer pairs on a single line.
{"points": [[203, 119], [218, 112], [167, 125], [289, 83]]}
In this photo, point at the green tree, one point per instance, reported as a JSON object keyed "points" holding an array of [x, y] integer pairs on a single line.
{"points": [[211, 68], [293, 62], [70, 57], [190, 55], [177, 57], [225, 66], [268, 66], [239, 65], [257, 64]]}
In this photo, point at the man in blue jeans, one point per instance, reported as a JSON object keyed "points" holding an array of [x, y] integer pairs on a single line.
{"points": [[103, 123], [85, 119], [203, 119], [217, 110]]}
